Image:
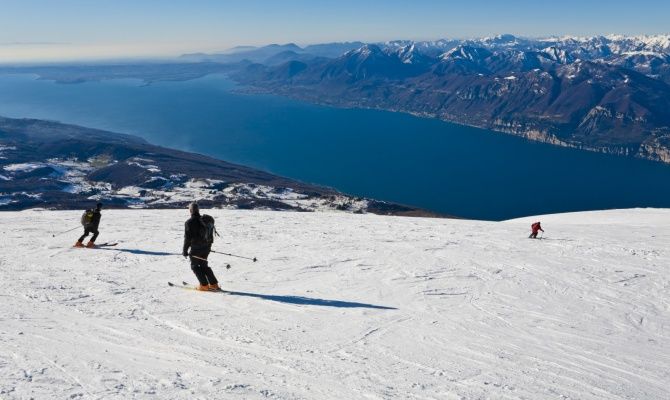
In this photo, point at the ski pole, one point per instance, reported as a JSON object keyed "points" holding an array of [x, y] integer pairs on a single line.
{"points": [[204, 259], [235, 255], [69, 230]]}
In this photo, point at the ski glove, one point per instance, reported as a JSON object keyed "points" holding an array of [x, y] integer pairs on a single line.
{"points": [[185, 254]]}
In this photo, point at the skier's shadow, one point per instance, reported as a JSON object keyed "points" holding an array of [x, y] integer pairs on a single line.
{"points": [[141, 252], [310, 301]]}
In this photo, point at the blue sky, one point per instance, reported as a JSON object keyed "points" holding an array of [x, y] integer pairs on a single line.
{"points": [[66, 29]]}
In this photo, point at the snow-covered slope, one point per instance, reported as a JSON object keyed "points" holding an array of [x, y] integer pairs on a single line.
{"points": [[338, 306]]}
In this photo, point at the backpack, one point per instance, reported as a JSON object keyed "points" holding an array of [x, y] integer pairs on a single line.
{"points": [[210, 230], [87, 218]]}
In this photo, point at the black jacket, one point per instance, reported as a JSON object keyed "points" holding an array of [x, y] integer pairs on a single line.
{"points": [[95, 222], [194, 237]]}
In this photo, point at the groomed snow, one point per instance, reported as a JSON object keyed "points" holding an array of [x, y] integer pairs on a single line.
{"points": [[339, 306]]}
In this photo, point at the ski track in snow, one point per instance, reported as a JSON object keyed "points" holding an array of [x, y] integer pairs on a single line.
{"points": [[338, 306]]}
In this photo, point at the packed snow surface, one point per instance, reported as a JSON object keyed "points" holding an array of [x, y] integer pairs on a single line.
{"points": [[338, 306]]}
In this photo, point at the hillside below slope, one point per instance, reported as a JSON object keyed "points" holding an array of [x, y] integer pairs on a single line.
{"points": [[48, 164], [338, 306]]}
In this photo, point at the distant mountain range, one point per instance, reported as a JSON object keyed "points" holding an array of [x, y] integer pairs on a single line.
{"points": [[605, 93], [609, 94], [265, 54], [57, 166]]}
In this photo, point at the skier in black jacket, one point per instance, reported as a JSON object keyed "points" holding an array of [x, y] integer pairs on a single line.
{"points": [[91, 227], [195, 238]]}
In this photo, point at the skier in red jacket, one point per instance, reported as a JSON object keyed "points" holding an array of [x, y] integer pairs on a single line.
{"points": [[536, 228]]}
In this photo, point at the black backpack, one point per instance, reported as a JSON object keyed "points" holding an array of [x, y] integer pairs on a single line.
{"points": [[87, 218], [210, 230]]}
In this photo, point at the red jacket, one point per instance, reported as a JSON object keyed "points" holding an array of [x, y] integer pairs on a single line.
{"points": [[536, 227]]}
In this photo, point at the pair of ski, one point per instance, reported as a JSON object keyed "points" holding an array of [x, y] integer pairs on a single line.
{"points": [[107, 244], [187, 286]]}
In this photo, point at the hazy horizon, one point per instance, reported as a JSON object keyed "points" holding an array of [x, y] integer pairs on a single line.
{"points": [[72, 30]]}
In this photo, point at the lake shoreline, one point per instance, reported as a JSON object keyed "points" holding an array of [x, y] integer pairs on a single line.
{"points": [[392, 156]]}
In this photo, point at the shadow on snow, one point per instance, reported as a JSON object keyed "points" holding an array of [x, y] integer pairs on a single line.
{"points": [[141, 252], [310, 301], [282, 299]]}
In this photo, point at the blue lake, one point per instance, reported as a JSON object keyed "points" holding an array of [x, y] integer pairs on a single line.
{"points": [[426, 163]]}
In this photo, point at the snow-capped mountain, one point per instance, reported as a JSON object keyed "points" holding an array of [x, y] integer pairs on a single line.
{"points": [[634, 52], [410, 54], [338, 306], [596, 47], [557, 55], [372, 61], [469, 53]]}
